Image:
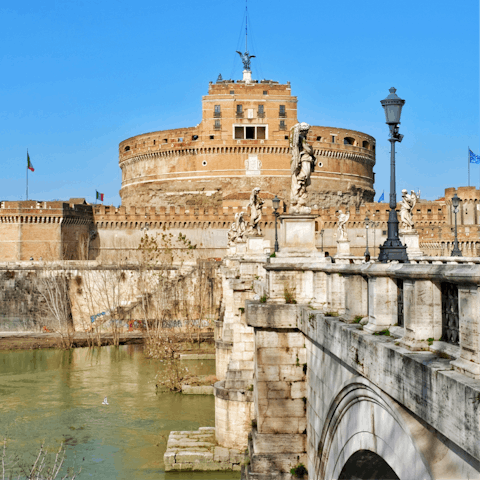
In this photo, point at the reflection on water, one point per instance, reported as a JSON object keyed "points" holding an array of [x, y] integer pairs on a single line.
{"points": [[57, 395]]}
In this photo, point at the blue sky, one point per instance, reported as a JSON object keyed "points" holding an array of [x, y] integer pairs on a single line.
{"points": [[78, 77]]}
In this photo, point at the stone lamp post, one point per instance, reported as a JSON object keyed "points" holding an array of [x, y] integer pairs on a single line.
{"points": [[276, 204], [367, 224], [456, 252], [393, 249]]}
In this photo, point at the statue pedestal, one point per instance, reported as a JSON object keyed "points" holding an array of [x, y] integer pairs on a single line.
{"points": [[343, 248], [411, 240], [257, 245], [297, 239]]}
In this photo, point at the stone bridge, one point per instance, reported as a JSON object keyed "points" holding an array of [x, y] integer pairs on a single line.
{"points": [[356, 371]]}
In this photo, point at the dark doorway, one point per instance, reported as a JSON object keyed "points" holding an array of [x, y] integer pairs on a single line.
{"points": [[366, 465]]}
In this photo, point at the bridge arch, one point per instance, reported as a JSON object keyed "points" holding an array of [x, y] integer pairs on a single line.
{"points": [[363, 420]]}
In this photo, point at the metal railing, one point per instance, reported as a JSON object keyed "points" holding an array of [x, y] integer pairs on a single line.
{"points": [[450, 317], [217, 127], [282, 127], [217, 114], [239, 114], [282, 114], [261, 114]]}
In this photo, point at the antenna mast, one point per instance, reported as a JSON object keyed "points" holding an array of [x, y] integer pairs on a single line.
{"points": [[246, 25]]}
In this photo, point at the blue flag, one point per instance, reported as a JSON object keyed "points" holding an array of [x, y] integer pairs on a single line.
{"points": [[473, 158], [382, 197]]}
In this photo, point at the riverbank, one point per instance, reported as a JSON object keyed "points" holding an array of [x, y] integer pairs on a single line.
{"points": [[36, 340]]}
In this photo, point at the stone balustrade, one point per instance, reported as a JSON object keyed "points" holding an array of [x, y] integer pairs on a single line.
{"points": [[428, 301]]}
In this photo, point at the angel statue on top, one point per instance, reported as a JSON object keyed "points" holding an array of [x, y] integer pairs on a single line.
{"points": [[256, 205], [301, 166]]}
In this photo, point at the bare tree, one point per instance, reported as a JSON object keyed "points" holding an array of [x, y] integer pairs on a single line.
{"points": [[52, 283]]}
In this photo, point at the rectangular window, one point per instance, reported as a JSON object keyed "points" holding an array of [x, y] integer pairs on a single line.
{"points": [[250, 132], [239, 108], [265, 92], [282, 125], [239, 133], [217, 108], [218, 126], [282, 111], [217, 113], [260, 109], [333, 138]]}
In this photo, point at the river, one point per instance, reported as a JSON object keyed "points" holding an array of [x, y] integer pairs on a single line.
{"points": [[56, 395]]}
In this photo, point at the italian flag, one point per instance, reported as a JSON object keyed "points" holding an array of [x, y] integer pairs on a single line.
{"points": [[29, 164], [99, 196]]}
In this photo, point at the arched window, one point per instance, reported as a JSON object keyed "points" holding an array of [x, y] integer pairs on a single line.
{"points": [[127, 148], [365, 144], [349, 141]]}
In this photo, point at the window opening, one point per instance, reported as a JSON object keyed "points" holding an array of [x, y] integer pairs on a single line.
{"points": [[217, 112], [333, 138], [261, 133], [282, 125], [319, 138], [212, 137], [265, 92], [217, 125], [282, 111], [250, 133], [239, 133]]}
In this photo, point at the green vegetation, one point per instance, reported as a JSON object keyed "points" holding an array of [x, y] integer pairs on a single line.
{"points": [[242, 310], [263, 299], [385, 332], [357, 319], [289, 295], [299, 471], [272, 255], [250, 388]]}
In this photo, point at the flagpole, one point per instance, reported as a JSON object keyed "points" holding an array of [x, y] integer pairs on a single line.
{"points": [[468, 160], [27, 175]]}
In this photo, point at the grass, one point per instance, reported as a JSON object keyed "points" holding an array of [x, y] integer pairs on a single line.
{"points": [[263, 299], [385, 332], [357, 319]]}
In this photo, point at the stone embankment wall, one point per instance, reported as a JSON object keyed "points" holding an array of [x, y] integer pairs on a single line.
{"points": [[184, 296]]}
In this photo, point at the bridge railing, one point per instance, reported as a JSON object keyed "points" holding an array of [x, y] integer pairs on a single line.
{"points": [[429, 301]]}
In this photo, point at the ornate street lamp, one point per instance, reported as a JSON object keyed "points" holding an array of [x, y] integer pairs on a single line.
{"points": [[456, 252], [276, 204], [322, 231], [393, 249], [367, 224]]}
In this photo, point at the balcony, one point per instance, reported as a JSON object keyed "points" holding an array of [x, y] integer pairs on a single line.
{"points": [[239, 114], [260, 114], [217, 114], [282, 126], [217, 127], [282, 114]]}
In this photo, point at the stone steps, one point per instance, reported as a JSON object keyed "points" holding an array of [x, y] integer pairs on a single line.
{"points": [[198, 451]]}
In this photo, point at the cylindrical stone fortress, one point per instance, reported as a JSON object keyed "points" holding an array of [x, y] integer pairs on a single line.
{"points": [[242, 143]]}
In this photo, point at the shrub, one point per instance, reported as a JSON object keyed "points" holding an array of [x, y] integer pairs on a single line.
{"points": [[263, 299], [299, 471], [289, 295]]}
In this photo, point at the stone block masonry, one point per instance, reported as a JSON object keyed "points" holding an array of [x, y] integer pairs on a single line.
{"points": [[198, 451]]}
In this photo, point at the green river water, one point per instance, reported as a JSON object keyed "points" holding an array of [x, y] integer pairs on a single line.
{"points": [[56, 395]]}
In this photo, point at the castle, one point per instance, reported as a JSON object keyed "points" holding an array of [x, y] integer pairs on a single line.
{"points": [[194, 180]]}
